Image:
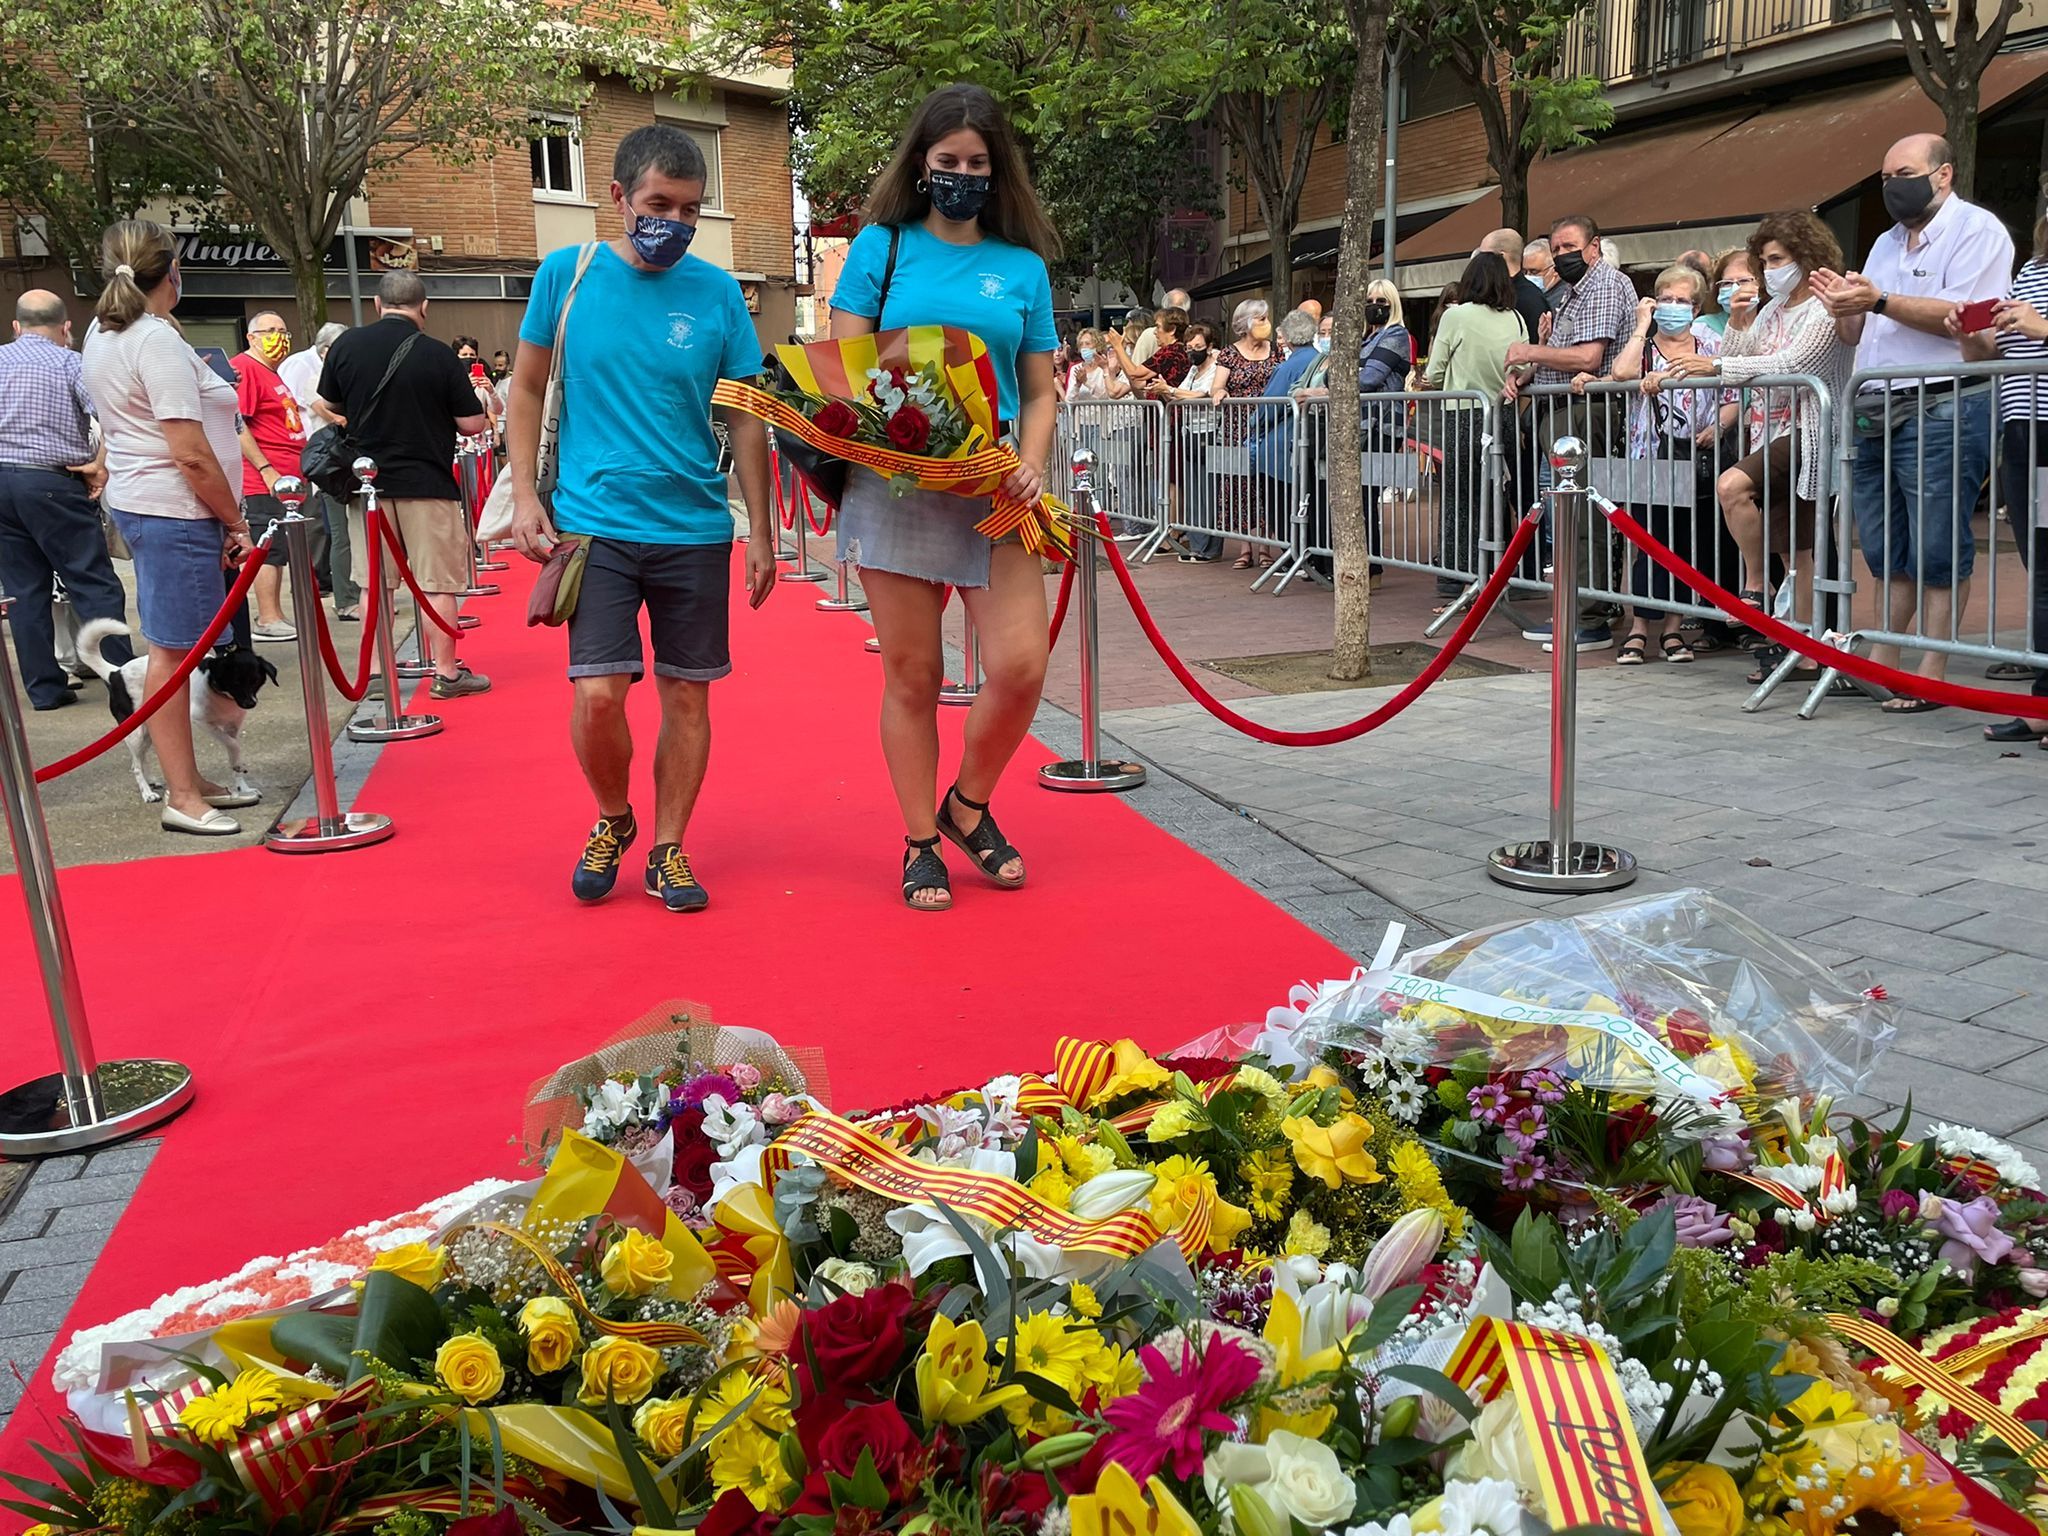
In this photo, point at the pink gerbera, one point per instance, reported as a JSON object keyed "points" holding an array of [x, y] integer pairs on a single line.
{"points": [[1166, 1418]]}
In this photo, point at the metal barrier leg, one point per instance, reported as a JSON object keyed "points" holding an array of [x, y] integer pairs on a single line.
{"points": [[87, 1103], [330, 829], [842, 601], [394, 726], [1560, 863], [968, 689], [1089, 772]]}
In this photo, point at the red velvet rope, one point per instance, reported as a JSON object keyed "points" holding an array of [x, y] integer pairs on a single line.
{"points": [[1488, 596], [1990, 701], [251, 564], [413, 586], [1059, 608], [821, 530], [354, 692]]}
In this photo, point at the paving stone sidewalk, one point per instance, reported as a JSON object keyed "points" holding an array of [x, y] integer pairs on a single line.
{"points": [[1903, 845]]}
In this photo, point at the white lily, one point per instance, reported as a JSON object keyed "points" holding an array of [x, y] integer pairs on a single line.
{"points": [[1120, 1189]]}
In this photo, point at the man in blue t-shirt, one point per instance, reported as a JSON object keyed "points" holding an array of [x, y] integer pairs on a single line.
{"points": [[650, 332]]}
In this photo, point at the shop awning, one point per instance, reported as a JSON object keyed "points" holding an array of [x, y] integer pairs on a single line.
{"points": [[1706, 182], [1317, 248]]}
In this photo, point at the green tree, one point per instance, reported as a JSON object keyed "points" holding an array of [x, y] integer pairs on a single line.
{"points": [[1507, 53], [1110, 193], [285, 108], [1948, 51]]}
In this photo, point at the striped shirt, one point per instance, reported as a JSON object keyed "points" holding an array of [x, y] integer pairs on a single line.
{"points": [[2024, 397], [45, 414]]}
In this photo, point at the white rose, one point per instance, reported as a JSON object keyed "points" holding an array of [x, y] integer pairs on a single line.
{"points": [[852, 1278], [1308, 1482], [1234, 1464], [1499, 1448]]}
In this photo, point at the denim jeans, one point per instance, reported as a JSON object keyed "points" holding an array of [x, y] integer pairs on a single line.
{"points": [[50, 528], [1914, 521]]}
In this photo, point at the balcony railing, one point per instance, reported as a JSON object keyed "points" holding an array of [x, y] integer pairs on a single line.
{"points": [[1619, 41]]}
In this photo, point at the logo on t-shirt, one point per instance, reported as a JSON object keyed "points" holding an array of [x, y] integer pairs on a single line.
{"points": [[992, 285], [681, 328]]}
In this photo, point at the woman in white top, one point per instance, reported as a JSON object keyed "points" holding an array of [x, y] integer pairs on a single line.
{"points": [[171, 434], [1095, 375], [1191, 428], [1769, 499]]}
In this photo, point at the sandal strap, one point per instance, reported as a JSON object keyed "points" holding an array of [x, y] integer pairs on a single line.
{"points": [[972, 805], [931, 842], [986, 842], [924, 870]]}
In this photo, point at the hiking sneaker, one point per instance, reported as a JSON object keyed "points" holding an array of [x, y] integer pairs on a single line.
{"points": [[669, 877], [462, 684], [602, 855]]}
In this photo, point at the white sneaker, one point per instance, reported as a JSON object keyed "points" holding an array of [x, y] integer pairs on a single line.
{"points": [[212, 824], [278, 630]]}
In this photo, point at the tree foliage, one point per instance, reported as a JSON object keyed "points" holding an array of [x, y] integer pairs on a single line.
{"points": [[1110, 193], [1948, 50], [286, 107], [1507, 53]]}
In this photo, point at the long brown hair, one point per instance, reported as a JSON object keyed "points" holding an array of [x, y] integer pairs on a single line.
{"points": [[899, 195], [135, 256]]}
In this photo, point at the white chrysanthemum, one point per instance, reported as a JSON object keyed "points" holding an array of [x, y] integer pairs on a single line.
{"points": [[1405, 1098], [1486, 1507], [1966, 1141]]}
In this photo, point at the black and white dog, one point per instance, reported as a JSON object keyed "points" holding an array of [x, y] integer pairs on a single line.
{"points": [[223, 689]]}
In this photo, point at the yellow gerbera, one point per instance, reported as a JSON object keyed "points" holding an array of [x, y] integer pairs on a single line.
{"points": [[752, 1463]]}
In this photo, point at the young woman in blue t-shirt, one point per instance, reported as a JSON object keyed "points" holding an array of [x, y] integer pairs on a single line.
{"points": [[971, 242]]}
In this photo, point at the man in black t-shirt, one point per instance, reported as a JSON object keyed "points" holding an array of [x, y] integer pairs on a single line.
{"points": [[409, 428]]}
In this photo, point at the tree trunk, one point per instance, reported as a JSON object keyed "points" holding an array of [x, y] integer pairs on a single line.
{"points": [[1959, 115], [1351, 646], [1514, 198], [1281, 207], [309, 283]]}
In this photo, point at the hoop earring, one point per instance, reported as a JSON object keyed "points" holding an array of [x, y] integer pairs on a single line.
{"points": [[924, 187]]}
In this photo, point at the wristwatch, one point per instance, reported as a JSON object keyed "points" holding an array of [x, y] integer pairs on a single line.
{"points": [[1883, 299]]}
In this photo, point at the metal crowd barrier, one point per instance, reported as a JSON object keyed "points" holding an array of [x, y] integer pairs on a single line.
{"points": [[1128, 439]]}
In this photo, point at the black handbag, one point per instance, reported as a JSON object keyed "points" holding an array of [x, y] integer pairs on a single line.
{"points": [[329, 457], [825, 473]]}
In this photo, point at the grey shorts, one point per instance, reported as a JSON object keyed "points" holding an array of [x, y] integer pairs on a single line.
{"points": [[686, 589]]}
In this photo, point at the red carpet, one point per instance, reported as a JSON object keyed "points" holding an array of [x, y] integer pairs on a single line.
{"points": [[364, 1025]]}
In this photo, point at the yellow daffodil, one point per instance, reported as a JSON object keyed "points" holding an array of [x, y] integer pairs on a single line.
{"points": [[1306, 1237], [1335, 1152], [1082, 1299], [1269, 1176], [953, 1375], [1119, 1507], [215, 1419], [1134, 1072], [636, 1265], [1309, 1413], [417, 1262]]}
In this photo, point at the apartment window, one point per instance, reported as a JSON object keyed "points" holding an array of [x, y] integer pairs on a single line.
{"points": [[1431, 90], [708, 140], [556, 151]]}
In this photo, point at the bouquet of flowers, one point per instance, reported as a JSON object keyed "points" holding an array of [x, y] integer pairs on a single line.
{"points": [[917, 404]]}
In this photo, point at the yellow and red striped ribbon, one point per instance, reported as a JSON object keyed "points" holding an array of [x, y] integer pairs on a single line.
{"points": [[448, 1501], [276, 1462], [1587, 1456], [653, 1335], [1941, 1380]]}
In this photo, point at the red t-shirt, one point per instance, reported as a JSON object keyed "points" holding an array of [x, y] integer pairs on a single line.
{"points": [[272, 415]]}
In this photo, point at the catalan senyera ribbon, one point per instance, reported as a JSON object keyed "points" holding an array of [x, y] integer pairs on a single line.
{"points": [[1942, 1380], [278, 1462], [1834, 1178], [450, 1501], [1587, 1456], [868, 1162], [653, 1335]]}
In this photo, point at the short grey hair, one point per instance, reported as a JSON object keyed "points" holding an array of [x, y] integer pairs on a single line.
{"points": [[401, 289], [330, 333], [1299, 328], [1248, 314], [262, 315], [1539, 247], [659, 147]]}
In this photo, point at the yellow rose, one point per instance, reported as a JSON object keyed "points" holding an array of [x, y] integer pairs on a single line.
{"points": [[1704, 1501], [552, 1336], [416, 1262], [1333, 1153], [636, 1265], [468, 1365], [663, 1425], [621, 1370]]}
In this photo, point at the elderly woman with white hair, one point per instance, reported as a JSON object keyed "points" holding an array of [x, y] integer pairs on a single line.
{"points": [[1243, 371]]}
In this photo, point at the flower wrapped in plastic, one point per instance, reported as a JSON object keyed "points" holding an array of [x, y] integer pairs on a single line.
{"points": [[916, 404]]}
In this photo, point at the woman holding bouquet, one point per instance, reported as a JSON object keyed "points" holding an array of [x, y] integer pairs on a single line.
{"points": [[955, 236]]}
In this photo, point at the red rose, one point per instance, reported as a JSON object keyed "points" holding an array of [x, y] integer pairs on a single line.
{"points": [[856, 1341], [837, 419], [881, 1431], [694, 1154], [910, 429], [734, 1515], [501, 1522], [1627, 1128], [1008, 1499]]}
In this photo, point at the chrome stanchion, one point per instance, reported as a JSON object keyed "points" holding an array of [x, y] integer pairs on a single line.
{"points": [[329, 829], [799, 526], [87, 1103], [968, 689], [394, 726], [1560, 863], [1089, 771], [475, 588], [841, 600]]}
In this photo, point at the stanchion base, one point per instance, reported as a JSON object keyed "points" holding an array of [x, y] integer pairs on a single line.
{"points": [[1105, 774], [843, 604], [467, 621], [353, 829], [134, 1097], [872, 645], [492, 565], [481, 589], [954, 693], [1591, 867], [800, 576], [413, 671], [404, 728]]}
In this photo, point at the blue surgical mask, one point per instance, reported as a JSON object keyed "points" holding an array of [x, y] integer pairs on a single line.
{"points": [[1673, 316], [1322, 343], [1087, 354], [659, 242], [1725, 295]]}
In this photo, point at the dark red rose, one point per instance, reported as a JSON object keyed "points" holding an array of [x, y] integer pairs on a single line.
{"points": [[910, 429], [881, 1431], [1627, 1128], [734, 1515], [694, 1154], [1198, 1069], [1012, 1499], [500, 1522], [857, 1343], [837, 419]]}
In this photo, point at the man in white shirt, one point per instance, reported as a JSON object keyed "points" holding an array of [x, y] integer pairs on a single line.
{"points": [[1148, 339], [1923, 445], [335, 558]]}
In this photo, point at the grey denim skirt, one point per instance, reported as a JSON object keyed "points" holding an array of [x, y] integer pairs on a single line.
{"points": [[926, 534]]}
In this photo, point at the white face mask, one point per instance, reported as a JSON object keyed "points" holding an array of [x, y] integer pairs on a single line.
{"points": [[1780, 281]]}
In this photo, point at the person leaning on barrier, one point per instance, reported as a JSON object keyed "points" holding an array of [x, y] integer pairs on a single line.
{"points": [[1272, 445], [1671, 426], [1470, 352], [1923, 444], [346, 554], [1529, 301], [1192, 427], [411, 433], [51, 471], [650, 325], [172, 445], [2019, 334], [1242, 372], [1770, 497]]}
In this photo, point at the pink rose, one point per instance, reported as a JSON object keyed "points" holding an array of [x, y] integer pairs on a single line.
{"points": [[1972, 1234], [780, 1109], [747, 1077]]}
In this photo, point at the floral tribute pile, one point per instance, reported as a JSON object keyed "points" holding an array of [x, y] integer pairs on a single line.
{"points": [[1553, 1228]]}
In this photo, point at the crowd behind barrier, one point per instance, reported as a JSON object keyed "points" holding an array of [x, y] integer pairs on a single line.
{"points": [[1753, 484]]}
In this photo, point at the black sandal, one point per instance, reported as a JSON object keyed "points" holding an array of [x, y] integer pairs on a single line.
{"points": [[1634, 651], [1674, 648], [986, 844], [924, 870]]}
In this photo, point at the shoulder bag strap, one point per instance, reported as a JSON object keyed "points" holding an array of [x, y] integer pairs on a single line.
{"points": [[390, 369], [889, 271], [546, 461]]}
